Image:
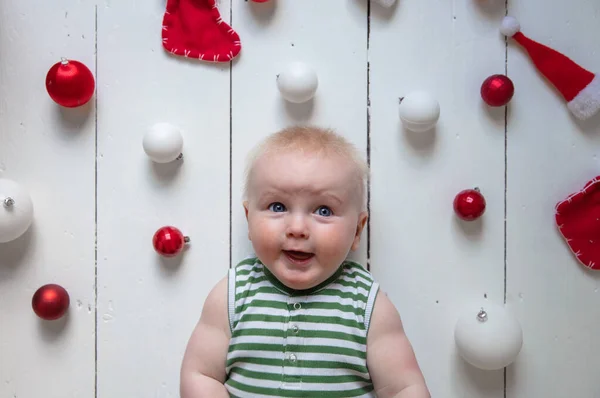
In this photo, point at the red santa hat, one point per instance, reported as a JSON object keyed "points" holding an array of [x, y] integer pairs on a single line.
{"points": [[579, 87]]}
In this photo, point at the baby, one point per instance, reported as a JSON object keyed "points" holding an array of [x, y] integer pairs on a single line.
{"points": [[299, 319]]}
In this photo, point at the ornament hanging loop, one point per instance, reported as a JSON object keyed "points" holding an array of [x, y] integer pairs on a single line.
{"points": [[8, 202], [482, 316], [186, 239], [64, 61]]}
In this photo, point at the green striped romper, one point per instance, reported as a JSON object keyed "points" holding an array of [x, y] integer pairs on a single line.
{"points": [[309, 343]]}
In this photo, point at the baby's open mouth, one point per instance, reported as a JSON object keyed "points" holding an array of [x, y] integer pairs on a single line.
{"points": [[298, 256]]}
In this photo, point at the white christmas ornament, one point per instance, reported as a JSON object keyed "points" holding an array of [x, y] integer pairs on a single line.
{"points": [[386, 3], [163, 143], [488, 337], [16, 210], [298, 82], [419, 111]]}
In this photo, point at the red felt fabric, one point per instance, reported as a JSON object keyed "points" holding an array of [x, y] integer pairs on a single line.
{"points": [[194, 29], [568, 77], [578, 220]]}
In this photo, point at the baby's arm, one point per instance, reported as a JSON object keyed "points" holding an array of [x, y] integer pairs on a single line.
{"points": [[203, 366], [390, 357]]}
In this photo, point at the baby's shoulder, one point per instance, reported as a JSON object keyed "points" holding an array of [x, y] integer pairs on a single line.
{"points": [[246, 268], [356, 272]]}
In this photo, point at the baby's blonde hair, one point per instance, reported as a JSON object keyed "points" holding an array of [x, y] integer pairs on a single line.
{"points": [[310, 139]]}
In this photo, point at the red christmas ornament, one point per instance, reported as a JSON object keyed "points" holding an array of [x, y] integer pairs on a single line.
{"points": [[169, 241], [50, 302], [469, 204], [70, 83], [497, 90]]}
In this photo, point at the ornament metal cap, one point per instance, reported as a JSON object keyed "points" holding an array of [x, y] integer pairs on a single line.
{"points": [[482, 316], [8, 202]]}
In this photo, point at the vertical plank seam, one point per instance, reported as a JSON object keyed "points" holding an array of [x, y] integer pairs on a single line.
{"points": [[368, 137], [96, 203], [230, 146], [505, 179]]}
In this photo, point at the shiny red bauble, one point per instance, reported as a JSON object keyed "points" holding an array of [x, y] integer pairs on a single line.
{"points": [[497, 90], [70, 83], [50, 302], [469, 204], [169, 241]]}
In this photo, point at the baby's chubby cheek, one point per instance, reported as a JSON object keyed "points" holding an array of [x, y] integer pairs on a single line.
{"points": [[335, 243], [263, 233]]}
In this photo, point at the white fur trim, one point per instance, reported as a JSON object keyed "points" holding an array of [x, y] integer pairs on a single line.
{"points": [[587, 102], [510, 26], [385, 3]]}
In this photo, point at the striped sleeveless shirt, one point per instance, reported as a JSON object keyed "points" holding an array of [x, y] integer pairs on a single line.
{"points": [[309, 343]]}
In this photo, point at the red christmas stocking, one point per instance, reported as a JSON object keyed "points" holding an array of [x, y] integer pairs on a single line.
{"points": [[578, 220], [194, 29]]}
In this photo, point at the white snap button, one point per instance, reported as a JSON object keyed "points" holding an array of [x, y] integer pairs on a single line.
{"points": [[295, 328], [297, 306], [293, 357]]}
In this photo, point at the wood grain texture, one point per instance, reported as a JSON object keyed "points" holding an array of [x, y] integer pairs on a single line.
{"points": [[148, 305], [550, 156], [50, 151], [273, 35], [429, 263]]}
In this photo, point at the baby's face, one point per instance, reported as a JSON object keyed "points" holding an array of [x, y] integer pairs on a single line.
{"points": [[304, 215]]}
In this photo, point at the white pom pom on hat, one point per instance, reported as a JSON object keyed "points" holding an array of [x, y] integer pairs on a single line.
{"points": [[510, 26], [579, 87]]}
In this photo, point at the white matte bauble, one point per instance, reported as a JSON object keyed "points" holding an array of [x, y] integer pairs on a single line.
{"points": [[385, 3], [298, 82], [163, 143], [419, 111], [16, 210], [489, 336]]}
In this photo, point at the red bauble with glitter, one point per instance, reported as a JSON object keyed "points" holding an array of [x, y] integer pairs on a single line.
{"points": [[469, 204], [50, 302], [169, 241], [70, 83], [497, 90]]}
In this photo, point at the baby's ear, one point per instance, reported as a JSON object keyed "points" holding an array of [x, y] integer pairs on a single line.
{"points": [[246, 208], [246, 211], [362, 221]]}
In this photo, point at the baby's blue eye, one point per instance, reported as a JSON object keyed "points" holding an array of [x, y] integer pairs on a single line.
{"points": [[324, 211], [277, 207]]}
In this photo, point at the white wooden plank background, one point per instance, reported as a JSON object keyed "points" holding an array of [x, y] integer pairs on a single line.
{"points": [[430, 264], [274, 35], [50, 151], [147, 307], [129, 341], [551, 155]]}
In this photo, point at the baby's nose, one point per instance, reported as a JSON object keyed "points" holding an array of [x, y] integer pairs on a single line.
{"points": [[297, 227]]}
